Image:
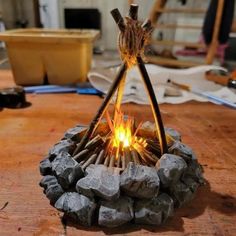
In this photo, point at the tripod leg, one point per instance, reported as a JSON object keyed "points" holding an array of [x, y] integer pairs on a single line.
{"points": [[103, 107], [120, 93], [154, 105]]}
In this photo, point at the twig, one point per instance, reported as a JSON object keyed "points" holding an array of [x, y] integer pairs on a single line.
{"points": [[127, 156], [112, 161], [133, 11], [147, 25], [135, 156], [123, 164], [102, 109], [100, 157], [154, 106], [91, 160], [106, 160], [118, 19], [118, 160], [79, 157], [109, 122], [4, 206], [95, 142], [153, 149]]}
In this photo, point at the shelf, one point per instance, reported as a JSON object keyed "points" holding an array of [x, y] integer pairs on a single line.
{"points": [[178, 10], [178, 43], [174, 26], [171, 62]]}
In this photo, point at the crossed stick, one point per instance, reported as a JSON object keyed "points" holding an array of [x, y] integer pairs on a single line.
{"points": [[119, 83]]}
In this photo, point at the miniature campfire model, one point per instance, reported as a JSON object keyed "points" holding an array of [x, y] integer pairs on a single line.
{"points": [[116, 171]]}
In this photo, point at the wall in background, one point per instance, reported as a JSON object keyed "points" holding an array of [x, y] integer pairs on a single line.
{"points": [[14, 11], [109, 28]]}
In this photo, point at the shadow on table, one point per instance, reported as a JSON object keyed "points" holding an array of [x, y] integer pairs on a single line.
{"points": [[224, 204]]}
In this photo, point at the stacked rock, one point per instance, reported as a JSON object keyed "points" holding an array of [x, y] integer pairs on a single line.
{"points": [[105, 196]]}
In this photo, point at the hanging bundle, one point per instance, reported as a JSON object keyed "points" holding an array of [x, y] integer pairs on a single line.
{"points": [[133, 36], [132, 41]]}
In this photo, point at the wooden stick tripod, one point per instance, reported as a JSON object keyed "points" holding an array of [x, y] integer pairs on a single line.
{"points": [[118, 83]]}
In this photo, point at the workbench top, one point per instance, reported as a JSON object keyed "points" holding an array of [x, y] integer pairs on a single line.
{"points": [[27, 134]]}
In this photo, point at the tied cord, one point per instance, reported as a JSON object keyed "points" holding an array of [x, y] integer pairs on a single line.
{"points": [[132, 41]]}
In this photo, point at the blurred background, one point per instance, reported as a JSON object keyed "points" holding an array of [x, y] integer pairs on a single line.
{"points": [[178, 33]]}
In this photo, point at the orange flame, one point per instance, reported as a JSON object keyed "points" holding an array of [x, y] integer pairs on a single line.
{"points": [[122, 131]]}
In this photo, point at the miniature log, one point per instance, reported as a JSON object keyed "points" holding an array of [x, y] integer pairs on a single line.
{"points": [[154, 105], [79, 157], [106, 162], [95, 142], [118, 160], [135, 157], [143, 159], [127, 156], [91, 160], [133, 11], [100, 157], [112, 161], [103, 152], [147, 25], [103, 107], [156, 144], [151, 157], [154, 149], [123, 164], [118, 19], [147, 155]]}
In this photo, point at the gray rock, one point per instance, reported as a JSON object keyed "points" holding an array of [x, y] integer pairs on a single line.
{"points": [[147, 130], [115, 213], [181, 193], [170, 169], [99, 181], [48, 180], [154, 211], [76, 133], [77, 206], [140, 181], [53, 192], [83, 186], [90, 169], [45, 167], [63, 146], [194, 171], [190, 182], [173, 133], [67, 170], [181, 149]]}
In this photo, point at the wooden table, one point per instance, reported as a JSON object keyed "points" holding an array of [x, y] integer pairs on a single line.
{"points": [[27, 134]]}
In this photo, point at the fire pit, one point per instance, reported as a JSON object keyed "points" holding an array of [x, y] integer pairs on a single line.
{"points": [[116, 171]]}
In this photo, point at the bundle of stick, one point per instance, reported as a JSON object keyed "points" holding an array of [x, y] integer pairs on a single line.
{"points": [[99, 150], [132, 40]]}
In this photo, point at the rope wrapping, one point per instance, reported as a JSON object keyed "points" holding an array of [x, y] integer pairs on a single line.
{"points": [[132, 41]]}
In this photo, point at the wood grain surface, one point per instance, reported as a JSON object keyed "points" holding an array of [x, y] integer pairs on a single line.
{"points": [[27, 134]]}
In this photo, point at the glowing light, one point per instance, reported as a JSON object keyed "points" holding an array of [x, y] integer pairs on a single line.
{"points": [[122, 131]]}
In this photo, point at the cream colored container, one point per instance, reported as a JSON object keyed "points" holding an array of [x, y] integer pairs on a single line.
{"points": [[61, 56]]}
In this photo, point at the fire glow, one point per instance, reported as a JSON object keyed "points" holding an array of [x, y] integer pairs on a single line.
{"points": [[122, 135]]}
